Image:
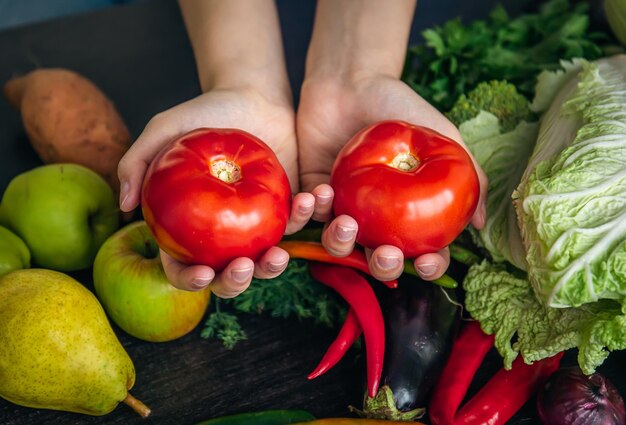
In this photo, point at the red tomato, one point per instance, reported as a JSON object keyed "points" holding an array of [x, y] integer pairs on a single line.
{"points": [[214, 195], [406, 186]]}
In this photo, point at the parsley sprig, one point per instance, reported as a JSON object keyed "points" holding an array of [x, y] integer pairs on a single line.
{"points": [[292, 294]]}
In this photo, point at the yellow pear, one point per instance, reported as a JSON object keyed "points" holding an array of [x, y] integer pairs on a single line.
{"points": [[57, 348]]}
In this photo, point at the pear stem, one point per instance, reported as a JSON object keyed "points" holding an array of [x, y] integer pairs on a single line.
{"points": [[143, 410]]}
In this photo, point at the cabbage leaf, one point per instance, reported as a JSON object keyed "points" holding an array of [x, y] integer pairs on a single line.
{"points": [[571, 201], [505, 305], [503, 158]]}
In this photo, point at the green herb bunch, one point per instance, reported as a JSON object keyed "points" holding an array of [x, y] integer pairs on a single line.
{"points": [[292, 294], [456, 57]]}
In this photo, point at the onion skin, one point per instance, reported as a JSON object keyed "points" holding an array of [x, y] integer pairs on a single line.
{"points": [[570, 397]]}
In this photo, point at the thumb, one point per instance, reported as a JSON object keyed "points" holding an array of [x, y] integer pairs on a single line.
{"points": [[133, 165]]}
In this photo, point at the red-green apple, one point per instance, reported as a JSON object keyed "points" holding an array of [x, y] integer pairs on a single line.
{"points": [[130, 282]]}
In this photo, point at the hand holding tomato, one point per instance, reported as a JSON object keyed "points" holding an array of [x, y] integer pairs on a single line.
{"points": [[406, 186], [332, 110], [269, 119], [214, 195]]}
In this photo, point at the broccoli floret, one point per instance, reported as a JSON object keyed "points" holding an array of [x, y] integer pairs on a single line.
{"points": [[498, 97]]}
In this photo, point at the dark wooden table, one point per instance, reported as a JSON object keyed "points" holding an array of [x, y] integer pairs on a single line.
{"points": [[140, 56]]}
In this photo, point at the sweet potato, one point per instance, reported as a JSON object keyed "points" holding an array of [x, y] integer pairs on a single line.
{"points": [[68, 119]]}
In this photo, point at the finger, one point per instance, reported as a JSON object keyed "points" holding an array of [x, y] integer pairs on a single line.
{"points": [[324, 195], [188, 278], [301, 211], [433, 266], [234, 279], [271, 264], [339, 236], [385, 262], [480, 215], [133, 165]]}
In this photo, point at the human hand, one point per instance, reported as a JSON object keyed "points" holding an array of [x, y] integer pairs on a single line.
{"points": [[331, 111], [270, 120]]}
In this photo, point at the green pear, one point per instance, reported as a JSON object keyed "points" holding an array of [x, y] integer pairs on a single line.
{"points": [[14, 253], [58, 350], [63, 212], [132, 286]]}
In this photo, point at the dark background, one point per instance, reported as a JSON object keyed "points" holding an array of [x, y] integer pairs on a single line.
{"points": [[139, 55]]}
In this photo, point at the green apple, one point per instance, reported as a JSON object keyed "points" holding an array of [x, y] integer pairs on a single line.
{"points": [[130, 282], [14, 253], [63, 212]]}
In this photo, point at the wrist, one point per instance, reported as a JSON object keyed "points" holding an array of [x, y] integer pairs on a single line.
{"points": [[350, 76], [347, 84], [237, 45], [351, 70], [352, 41], [249, 81]]}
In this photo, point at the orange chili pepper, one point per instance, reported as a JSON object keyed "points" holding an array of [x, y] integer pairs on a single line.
{"points": [[314, 251]]}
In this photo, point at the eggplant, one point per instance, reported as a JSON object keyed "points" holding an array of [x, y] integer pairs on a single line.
{"points": [[421, 320]]}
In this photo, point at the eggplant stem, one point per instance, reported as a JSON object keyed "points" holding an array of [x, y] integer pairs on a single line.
{"points": [[383, 406]]}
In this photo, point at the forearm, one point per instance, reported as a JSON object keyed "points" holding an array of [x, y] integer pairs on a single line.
{"points": [[237, 44], [359, 38]]}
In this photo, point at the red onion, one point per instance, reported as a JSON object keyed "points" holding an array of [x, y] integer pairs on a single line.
{"points": [[570, 397]]}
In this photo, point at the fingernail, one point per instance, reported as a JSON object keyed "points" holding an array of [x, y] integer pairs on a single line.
{"points": [[277, 267], [427, 270], [323, 199], [305, 209], [344, 234], [387, 263], [241, 276], [200, 282], [124, 189]]}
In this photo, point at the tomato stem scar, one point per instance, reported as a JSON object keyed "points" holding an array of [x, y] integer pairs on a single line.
{"points": [[225, 170], [405, 162]]}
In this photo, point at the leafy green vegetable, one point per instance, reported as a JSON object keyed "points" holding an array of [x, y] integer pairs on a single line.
{"points": [[571, 210], [292, 294], [225, 327], [549, 83], [497, 97], [505, 304], [456, 57], [571, 202], [566, 223], [503, 157]]}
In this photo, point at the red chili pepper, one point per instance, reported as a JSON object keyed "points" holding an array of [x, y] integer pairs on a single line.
{"points": [[356, 290], [349, 333], [314, 251], [506, 392], [468, 352]]}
